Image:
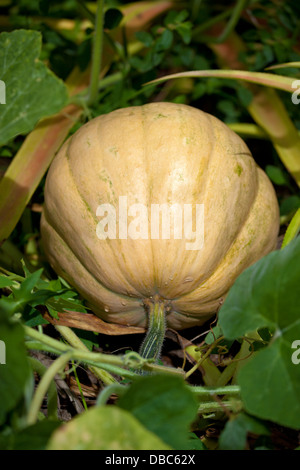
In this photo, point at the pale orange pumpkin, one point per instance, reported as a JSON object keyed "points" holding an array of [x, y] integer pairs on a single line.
{"points": [[159, 153]]}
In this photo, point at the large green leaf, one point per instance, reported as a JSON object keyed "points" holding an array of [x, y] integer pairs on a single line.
{"points": [[105, 428], [267, 295], [15, 372], [33, 437], [163, 405], [234, 435], [32, 90]]}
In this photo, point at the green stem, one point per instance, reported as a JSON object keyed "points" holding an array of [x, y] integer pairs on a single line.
{"points": [[213, 406], [80, 98], [237, 11], [234, 14], [240, 358], [79, 385], [152, 344], [115, 364], [104, 395], [203, 358], [44, 385], [209, 23], [41, 370], [248, 130], [226, 374], [203, 392], [196, 6], [76, 342], [97, 53], [107, 362]]}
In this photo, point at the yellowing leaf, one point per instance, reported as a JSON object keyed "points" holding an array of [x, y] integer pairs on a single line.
{"points": [[105, 428]]}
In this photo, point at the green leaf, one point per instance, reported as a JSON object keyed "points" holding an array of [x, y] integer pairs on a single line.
{"points": [[265, 334], [228, 108], [170, 18], [267, 295], [89, 338], [234, 435], [60, 303], [185, 31], [6, 282], [30, 438], [23, 292], [112, 18], [276, 175], [195, 443], [33, 317], [144, 37], [181, 16], [105, 428], [163, 405], [27, 293], [245, 95], [142, 65], [268, 53], [15, 373], [32, 90], [270, 385], [290, 204], [164, 41], [215, 333], [9, 306]]}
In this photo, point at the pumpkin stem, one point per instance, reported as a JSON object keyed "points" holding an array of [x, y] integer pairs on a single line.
{"points": [[152, 344]]}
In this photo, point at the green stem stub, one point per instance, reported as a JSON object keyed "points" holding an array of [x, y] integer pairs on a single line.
{"points": [[152, 344]]}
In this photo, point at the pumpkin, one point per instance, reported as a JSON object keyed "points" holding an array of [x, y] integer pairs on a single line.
{"points": [[132, 160]]}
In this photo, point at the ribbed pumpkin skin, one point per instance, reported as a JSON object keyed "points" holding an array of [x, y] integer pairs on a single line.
{"points": [[157, 153]]}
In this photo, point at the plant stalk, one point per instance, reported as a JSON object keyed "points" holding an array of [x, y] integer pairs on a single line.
{"points": [[76, 342], [104, 395], [202, 358], [233, 20], [44, 385], [41, 370], [213, 406], [115, 364], [205, 392], [152, 344]]}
